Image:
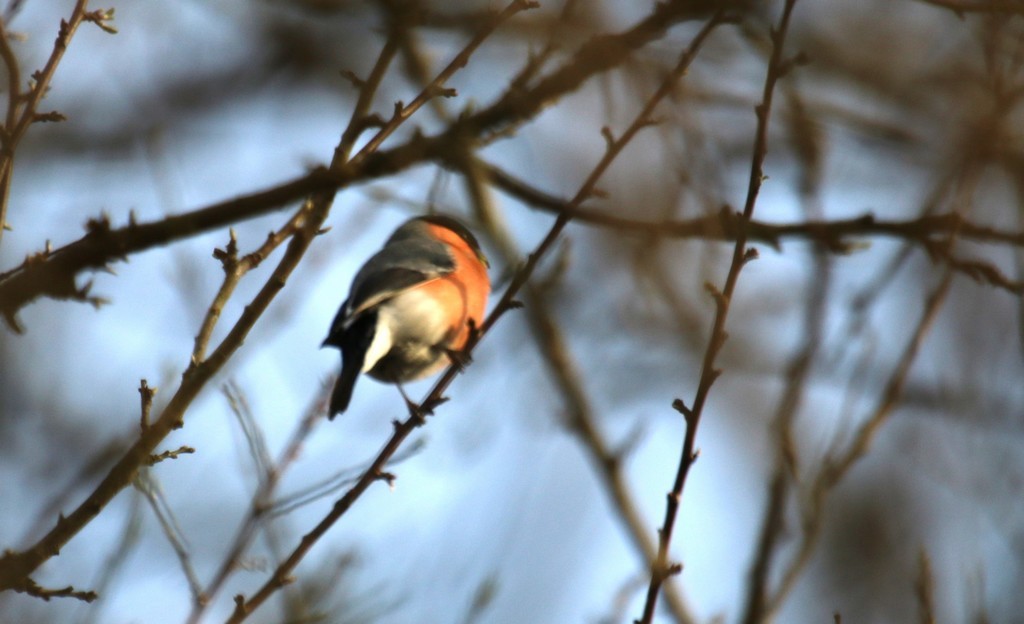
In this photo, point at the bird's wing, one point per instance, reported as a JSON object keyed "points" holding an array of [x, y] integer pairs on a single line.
{"points": [[392, 270], [384, 284]]}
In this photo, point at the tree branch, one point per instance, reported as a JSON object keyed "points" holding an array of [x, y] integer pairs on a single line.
{"points": [[53, 274], [21, 107], [662, 568]]}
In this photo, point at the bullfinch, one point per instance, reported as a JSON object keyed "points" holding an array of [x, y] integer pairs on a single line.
{"points": [[411, 307]]}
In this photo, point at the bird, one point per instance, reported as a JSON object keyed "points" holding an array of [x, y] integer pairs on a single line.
{"points": [[411, 307]]}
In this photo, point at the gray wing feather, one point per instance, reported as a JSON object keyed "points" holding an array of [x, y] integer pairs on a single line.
{"points": [[396, 268]]}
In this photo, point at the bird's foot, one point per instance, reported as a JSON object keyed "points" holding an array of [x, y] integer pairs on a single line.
{"points": [[459, 358]]}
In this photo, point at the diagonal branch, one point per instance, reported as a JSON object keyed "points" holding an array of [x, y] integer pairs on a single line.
{"points": [[835, 468], [15, 567], [402, 429], [243, 607]]}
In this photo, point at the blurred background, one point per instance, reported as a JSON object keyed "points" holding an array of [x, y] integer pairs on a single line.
{"points": [[502, 510]]}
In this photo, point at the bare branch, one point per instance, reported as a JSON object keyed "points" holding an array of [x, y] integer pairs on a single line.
{"points": [[32, 589], [924, 587], [962, 7], [21, 108], [282, 575], [662, 568], [55, 275], [838, 466], [15, 567]]}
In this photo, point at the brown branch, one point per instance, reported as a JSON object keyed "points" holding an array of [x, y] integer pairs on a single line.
{"points": [[16, 566], [930, 232], [375, 472], [53, 274], [367, 90], [662, 568], [837, 466], [961, 7], [606, 461], [924, 588], [32, 589], [21, 107]]}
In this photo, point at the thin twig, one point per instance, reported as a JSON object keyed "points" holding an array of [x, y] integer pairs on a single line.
{"points": [[434, 89], [146, 484], [606, 460], [786, 471], [836, 467], [929, 232], [924, 588], [235, 268], [32, 589], [22, 107], [268, 482], [662, 568]]}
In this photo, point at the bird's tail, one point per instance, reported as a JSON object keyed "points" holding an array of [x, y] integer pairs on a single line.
{"points": [[353, 341], [342, 394]]}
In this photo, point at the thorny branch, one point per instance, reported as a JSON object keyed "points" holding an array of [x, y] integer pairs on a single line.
{"points": [[53, 273], [662, 568]]}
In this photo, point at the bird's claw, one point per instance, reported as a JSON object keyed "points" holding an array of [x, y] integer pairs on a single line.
{"points": [[460, 358]]}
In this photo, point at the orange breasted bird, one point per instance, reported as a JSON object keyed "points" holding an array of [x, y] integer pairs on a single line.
{"points": [[411, 307]]}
